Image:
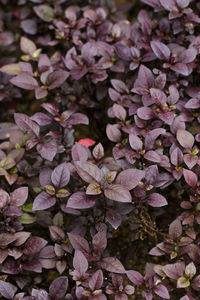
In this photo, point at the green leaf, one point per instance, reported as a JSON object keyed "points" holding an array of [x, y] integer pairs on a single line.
{"points": [[27, 207], [183, 282], [27, 219]]}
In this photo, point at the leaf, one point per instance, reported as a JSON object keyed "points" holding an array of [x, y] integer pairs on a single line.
{"points": [[161, 291], [98, 151], [57, 234], [174, 271], [27, 219], [27, 46], [185, 138], [12, 69], [135, 277], [7, 163], [99, 241], [79, 243], [118, 192], [26, 124], [114, 218], [160, 50], [96, 281], [6, 239], [56, 78], [80, 262], [119, 112], [175, 229], [93, 188], [145, 113], [190, 178], [134, 176], [45, 12], [60, 176], [112, 264], [7, 289], [47, 150], [183, 282], [119, 86], [19, 196], [80, 200], [190, 270], [33, 245], [25, 81], [156, 200], [88, 171], [135, 142], [113, 132], [78, 118], [58, 287], [79, 152], [43, 201]]}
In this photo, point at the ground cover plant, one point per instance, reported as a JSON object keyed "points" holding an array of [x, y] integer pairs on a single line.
{"points": [[99, 149]]}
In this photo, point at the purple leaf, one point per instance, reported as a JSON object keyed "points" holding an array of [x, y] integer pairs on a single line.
{"points": [[161, 291], [119, 112], [26, 124], [60, 176], [79, 243], [56, 78], [190, 178], [79, 153], [156, 200], [118, 192], [43, 201], [112, 264], [21, 237], [34, 245], [174, 271], [99, 241], [135, 277], [98, 151], [80, 262], [58, 287], [160, 50], [45, 176], [185, 138], [113, 132], [96, 280], [80, 200], [25, 81], [135, 142], [29, 26], [145, 113], [57, 234], [145, 78], [134, 176], [45, 12], [47, 150], [114, 218], [27, 46], [119, 86], [19, 196], [175, 229], [6, 239], [78, 118], [7, 290], [88, 171], [41, 119]]}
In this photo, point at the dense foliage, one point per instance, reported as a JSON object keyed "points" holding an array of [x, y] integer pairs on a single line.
{"points": [[99, 152]]}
